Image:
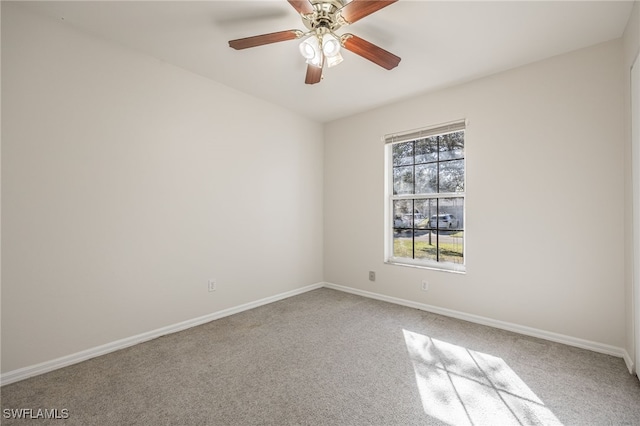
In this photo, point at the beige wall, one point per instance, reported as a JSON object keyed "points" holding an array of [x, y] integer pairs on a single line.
{"points": [[545, 197], [127, 183]]}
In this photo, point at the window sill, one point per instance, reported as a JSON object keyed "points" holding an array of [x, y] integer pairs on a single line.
{"points": [[442, 267]]}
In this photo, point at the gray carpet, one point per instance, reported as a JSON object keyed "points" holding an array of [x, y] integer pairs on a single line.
{"points": [[331, 358]]}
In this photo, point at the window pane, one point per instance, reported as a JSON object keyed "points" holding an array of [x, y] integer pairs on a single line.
{"points": [[403, 180], [450, 246], [427, 150], [450, 214], [452, 176], [452, 146], [402, 217], [427, 178], [426, 245], [403, 154], [425, 209], [403, 243]]}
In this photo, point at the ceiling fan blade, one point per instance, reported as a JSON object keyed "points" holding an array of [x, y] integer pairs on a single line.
{"points": [[314, 74], [358, 9], [302, 6], [369, 51], [259, 40]]}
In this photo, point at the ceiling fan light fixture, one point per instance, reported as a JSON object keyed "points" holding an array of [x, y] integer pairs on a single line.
{"points": [[334, 60], [316, 61], [331, 49], [330, 45], [310, 50]]}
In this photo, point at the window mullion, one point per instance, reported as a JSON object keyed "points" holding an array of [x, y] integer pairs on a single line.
{"points": [[437, 230], [413, 206], [438, 165], [413, 230]]}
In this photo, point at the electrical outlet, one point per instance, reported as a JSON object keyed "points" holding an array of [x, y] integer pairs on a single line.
{"points": [[425, 285], [212, 285], [372, 276]]}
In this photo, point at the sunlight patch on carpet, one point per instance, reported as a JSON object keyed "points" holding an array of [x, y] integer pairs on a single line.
{"points": [[460, 386]]}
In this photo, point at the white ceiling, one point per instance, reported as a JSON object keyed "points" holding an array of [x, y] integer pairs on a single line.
{"points": [[441, 43]]}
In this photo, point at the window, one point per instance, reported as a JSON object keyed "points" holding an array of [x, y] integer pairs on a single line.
{"points": [[425, 197]]}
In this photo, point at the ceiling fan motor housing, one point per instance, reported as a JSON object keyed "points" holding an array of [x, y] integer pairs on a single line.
{"points": [[325, 17]]}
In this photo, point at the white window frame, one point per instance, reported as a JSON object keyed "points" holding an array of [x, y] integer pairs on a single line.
{"points": [[408, 136]]}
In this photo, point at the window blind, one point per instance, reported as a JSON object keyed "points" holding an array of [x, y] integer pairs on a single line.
{"points": [[425, 132]]}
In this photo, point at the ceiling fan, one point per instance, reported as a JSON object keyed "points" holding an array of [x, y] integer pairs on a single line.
{"points": [[320, 43]]}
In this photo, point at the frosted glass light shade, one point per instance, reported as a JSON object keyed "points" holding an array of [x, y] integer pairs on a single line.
{"points": [[330, 46], [310, 50]]}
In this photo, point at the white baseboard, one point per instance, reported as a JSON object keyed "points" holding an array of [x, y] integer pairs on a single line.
{"points": [[45, 367], [629, 362], [528, 331]]}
